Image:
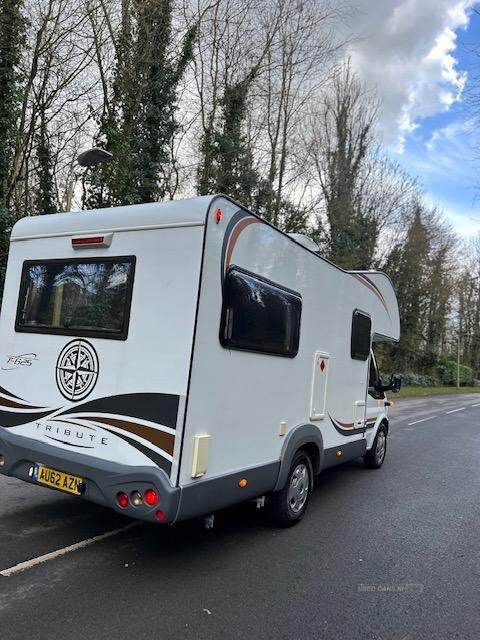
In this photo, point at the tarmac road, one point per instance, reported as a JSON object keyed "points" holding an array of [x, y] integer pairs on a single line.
{"points": [[389, 554]]}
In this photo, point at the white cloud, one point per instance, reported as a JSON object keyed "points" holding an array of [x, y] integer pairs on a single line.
{"points": [[454, 134], [406, 49], [448, 172], [446, 161], [465, 220]]}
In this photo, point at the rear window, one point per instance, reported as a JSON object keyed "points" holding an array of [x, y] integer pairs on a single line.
{"points": [[80, 297], [259, 315]]}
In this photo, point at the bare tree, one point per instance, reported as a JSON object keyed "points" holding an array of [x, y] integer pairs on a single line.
{"points": [[54, 109], [339, 139], [466, 327], [300, 61]]}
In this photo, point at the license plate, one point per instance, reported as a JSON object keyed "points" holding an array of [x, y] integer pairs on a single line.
{"points": [[58, 479]]}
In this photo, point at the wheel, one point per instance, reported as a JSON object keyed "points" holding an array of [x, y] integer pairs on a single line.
{"points": [[287, 506], [376, 455]]}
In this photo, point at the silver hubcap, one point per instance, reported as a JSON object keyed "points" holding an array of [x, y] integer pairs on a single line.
{"points": [[299, 488], [381, 447]]}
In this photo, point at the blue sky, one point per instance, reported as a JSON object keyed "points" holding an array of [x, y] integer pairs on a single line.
{"points": [[443, 150], [423, 57]]}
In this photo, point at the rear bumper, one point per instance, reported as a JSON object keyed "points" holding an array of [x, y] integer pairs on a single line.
{"points": [[103, 479]]}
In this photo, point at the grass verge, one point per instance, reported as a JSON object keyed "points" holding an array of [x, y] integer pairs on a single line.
{"points": [[417, 392]]}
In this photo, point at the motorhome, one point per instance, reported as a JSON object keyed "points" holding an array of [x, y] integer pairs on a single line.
{"points": [[168, 360]]}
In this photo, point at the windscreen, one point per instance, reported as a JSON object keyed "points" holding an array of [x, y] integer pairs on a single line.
{"points": [[76, 297]]}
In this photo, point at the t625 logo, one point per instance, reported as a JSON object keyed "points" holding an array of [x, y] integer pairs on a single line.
{"points": [[77, 370]]}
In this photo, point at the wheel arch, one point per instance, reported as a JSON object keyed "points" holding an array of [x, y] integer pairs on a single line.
{"points": [[385, 423], [307, 437]]}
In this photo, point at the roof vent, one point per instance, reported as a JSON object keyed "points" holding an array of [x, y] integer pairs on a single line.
{"points": [[305, 241]]}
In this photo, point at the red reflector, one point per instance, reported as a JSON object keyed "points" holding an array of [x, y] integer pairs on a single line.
{"points": [[218, 215], [122, 500], [161, 516], [76, 242], [151, 497]]}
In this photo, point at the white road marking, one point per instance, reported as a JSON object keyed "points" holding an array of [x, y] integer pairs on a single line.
{"points": [[475, 405], [454, 410], [22, 566], [422, 420]]}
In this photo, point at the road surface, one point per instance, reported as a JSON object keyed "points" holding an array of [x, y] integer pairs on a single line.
{"points": [[389, 554]]}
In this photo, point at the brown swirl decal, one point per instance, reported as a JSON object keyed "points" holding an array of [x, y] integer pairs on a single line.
{"points": [[238, 223], [15, 411], [375, 290], [160, 439], [121, 413], [243, 224], [11, 401], [348, 428], [344, 425], [9, 394], [14, 404]]}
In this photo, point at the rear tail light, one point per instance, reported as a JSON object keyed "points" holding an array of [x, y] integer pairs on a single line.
{"points": [[161, 516], [151, 497], [122, 500]]}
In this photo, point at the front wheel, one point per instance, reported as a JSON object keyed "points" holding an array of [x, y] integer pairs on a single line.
{"points": [[375, 456], [288, 506]]}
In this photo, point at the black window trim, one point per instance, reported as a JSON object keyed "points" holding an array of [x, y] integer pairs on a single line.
{"points": [[270, 352], [86, 333], [367, 315]]}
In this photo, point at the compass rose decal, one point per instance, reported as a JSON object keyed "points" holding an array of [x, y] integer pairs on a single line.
{"points": [[77, 370]]}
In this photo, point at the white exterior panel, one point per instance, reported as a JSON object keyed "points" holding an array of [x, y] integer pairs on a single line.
{"points": [[153, 360], [240, 397]]}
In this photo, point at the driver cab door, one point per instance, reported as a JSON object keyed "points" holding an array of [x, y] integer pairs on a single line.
{"points": [[375, 399]]}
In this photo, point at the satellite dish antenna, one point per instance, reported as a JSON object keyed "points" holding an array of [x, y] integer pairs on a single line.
{"points": [[93, 157]]}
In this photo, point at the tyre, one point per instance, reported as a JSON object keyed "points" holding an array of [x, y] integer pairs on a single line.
{"points": [[375, 456], [288, 506]]}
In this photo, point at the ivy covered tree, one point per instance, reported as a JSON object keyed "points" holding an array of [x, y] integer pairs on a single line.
{"points": [[226, 164], [341, 149], [283, 213], [45, 200], [138, 123], [12, 38], [408, 266]]}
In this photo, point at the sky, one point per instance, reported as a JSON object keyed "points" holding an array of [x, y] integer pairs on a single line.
{"points": [[423, 57]]}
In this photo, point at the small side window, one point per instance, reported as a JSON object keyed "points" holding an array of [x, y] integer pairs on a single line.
{"points": [[374, 380], [361, 335], [259, 315]]}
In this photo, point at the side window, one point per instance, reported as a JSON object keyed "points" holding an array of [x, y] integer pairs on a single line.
{"points": [[361, 330], [259, 315], [374, 379], [373, 374]]}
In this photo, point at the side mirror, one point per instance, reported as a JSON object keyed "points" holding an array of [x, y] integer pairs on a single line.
{"points": [[394, 385]]}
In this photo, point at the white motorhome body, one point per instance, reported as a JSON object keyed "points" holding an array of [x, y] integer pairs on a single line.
{"points": [[189, 348]]}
